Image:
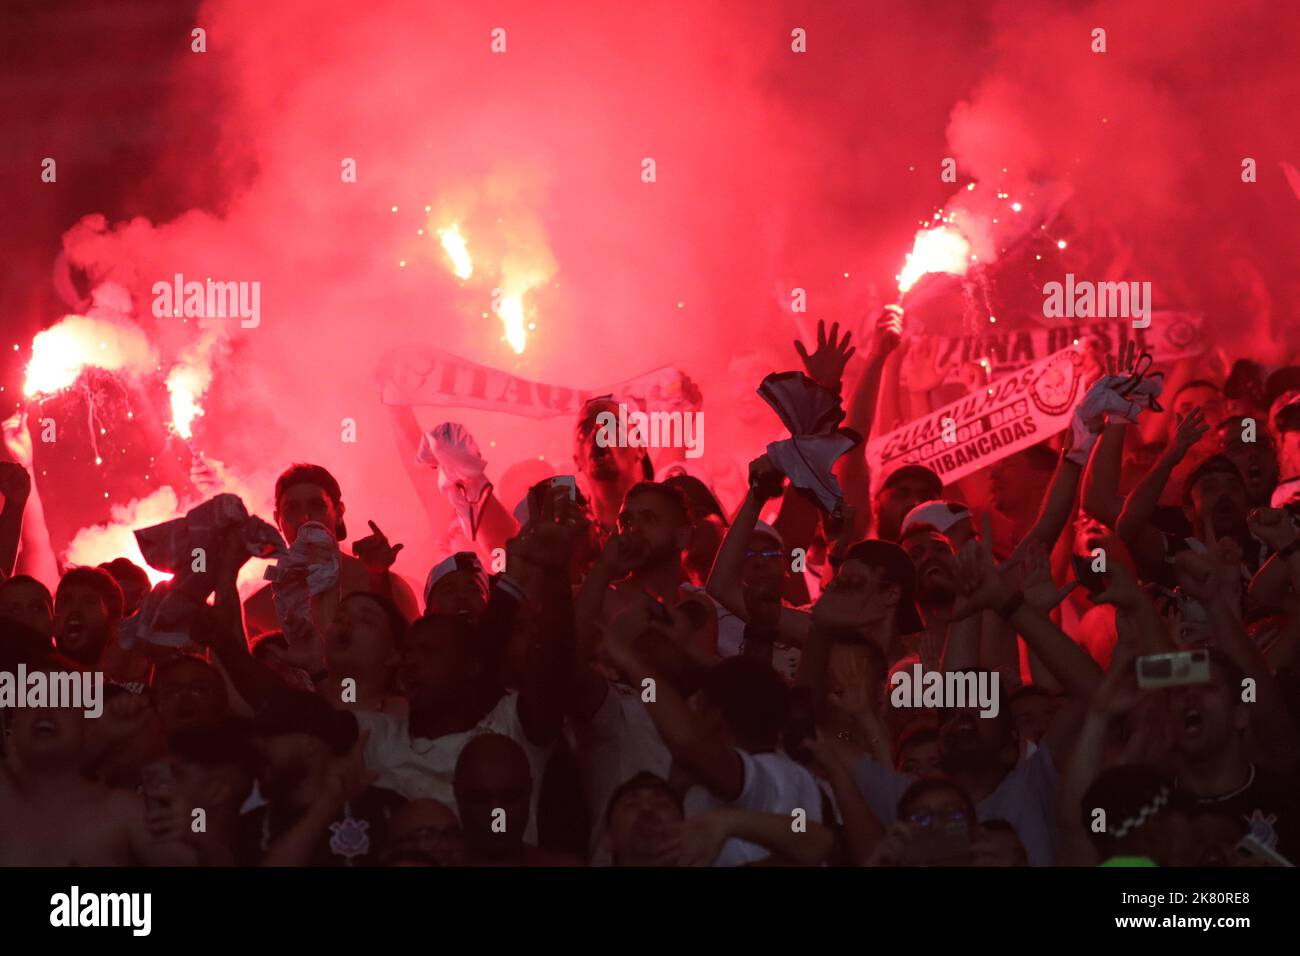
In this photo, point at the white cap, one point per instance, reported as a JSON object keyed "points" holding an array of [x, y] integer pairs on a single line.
{"points": [[940, 515], [460, 561]]}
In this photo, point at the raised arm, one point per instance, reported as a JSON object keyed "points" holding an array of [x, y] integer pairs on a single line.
{"points": [[1056, 509], [15, 488], [698, 840], [1101, 497], [36, 557], [851, 469], [1134, 525]]}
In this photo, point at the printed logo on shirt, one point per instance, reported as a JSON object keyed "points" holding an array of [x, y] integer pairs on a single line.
{"points": [[349, 837], [1262, 827]]}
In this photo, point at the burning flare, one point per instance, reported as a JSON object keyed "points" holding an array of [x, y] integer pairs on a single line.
{"points": [[941, 249], [453, 243], [186, 384], [63, 351], [511, 311]]}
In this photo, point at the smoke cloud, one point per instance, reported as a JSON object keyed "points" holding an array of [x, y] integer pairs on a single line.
{"points": [[774, 170]]}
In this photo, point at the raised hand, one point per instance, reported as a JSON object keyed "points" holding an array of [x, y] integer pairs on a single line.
{"points": [[888, 332], [1033, 574], [17, 439], [846, 605], [981, 585], [375, 551], [765, 479], [1187, 433], [826, 365], [15, 482]]}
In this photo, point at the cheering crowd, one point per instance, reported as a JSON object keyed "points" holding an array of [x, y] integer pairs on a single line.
{"points": [[627, 670]]}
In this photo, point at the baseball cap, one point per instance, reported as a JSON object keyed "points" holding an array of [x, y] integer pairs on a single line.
{"points": [[460, 561], [917, 472], [1214, 465], [940, 515], [899, 570], [762, 527]]}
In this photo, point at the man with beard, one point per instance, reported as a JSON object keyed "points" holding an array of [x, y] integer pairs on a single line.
{"points": [[643, 557], [310, 493], [903, 490], [932, 555], [610, 470], [87, 611], [88, 607]]}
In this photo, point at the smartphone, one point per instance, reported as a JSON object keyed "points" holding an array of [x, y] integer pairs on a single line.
{"points": [[1251, 851], [939, 846], [1173, 670]]}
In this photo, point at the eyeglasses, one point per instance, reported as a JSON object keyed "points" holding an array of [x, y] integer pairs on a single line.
{"points": [[928, 820], [764, 554]]}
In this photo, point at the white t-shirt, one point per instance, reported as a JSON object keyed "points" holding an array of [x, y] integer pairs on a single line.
{"points": [[1026, 798], [618, 742], [773, 784], [422, 768]]}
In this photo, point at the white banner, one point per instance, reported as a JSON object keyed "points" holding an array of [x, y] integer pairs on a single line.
{"points": [[1007, 415], [1171, 336]]}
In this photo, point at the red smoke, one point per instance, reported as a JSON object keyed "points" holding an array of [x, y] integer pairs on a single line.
{"points": [[775, 170]]}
